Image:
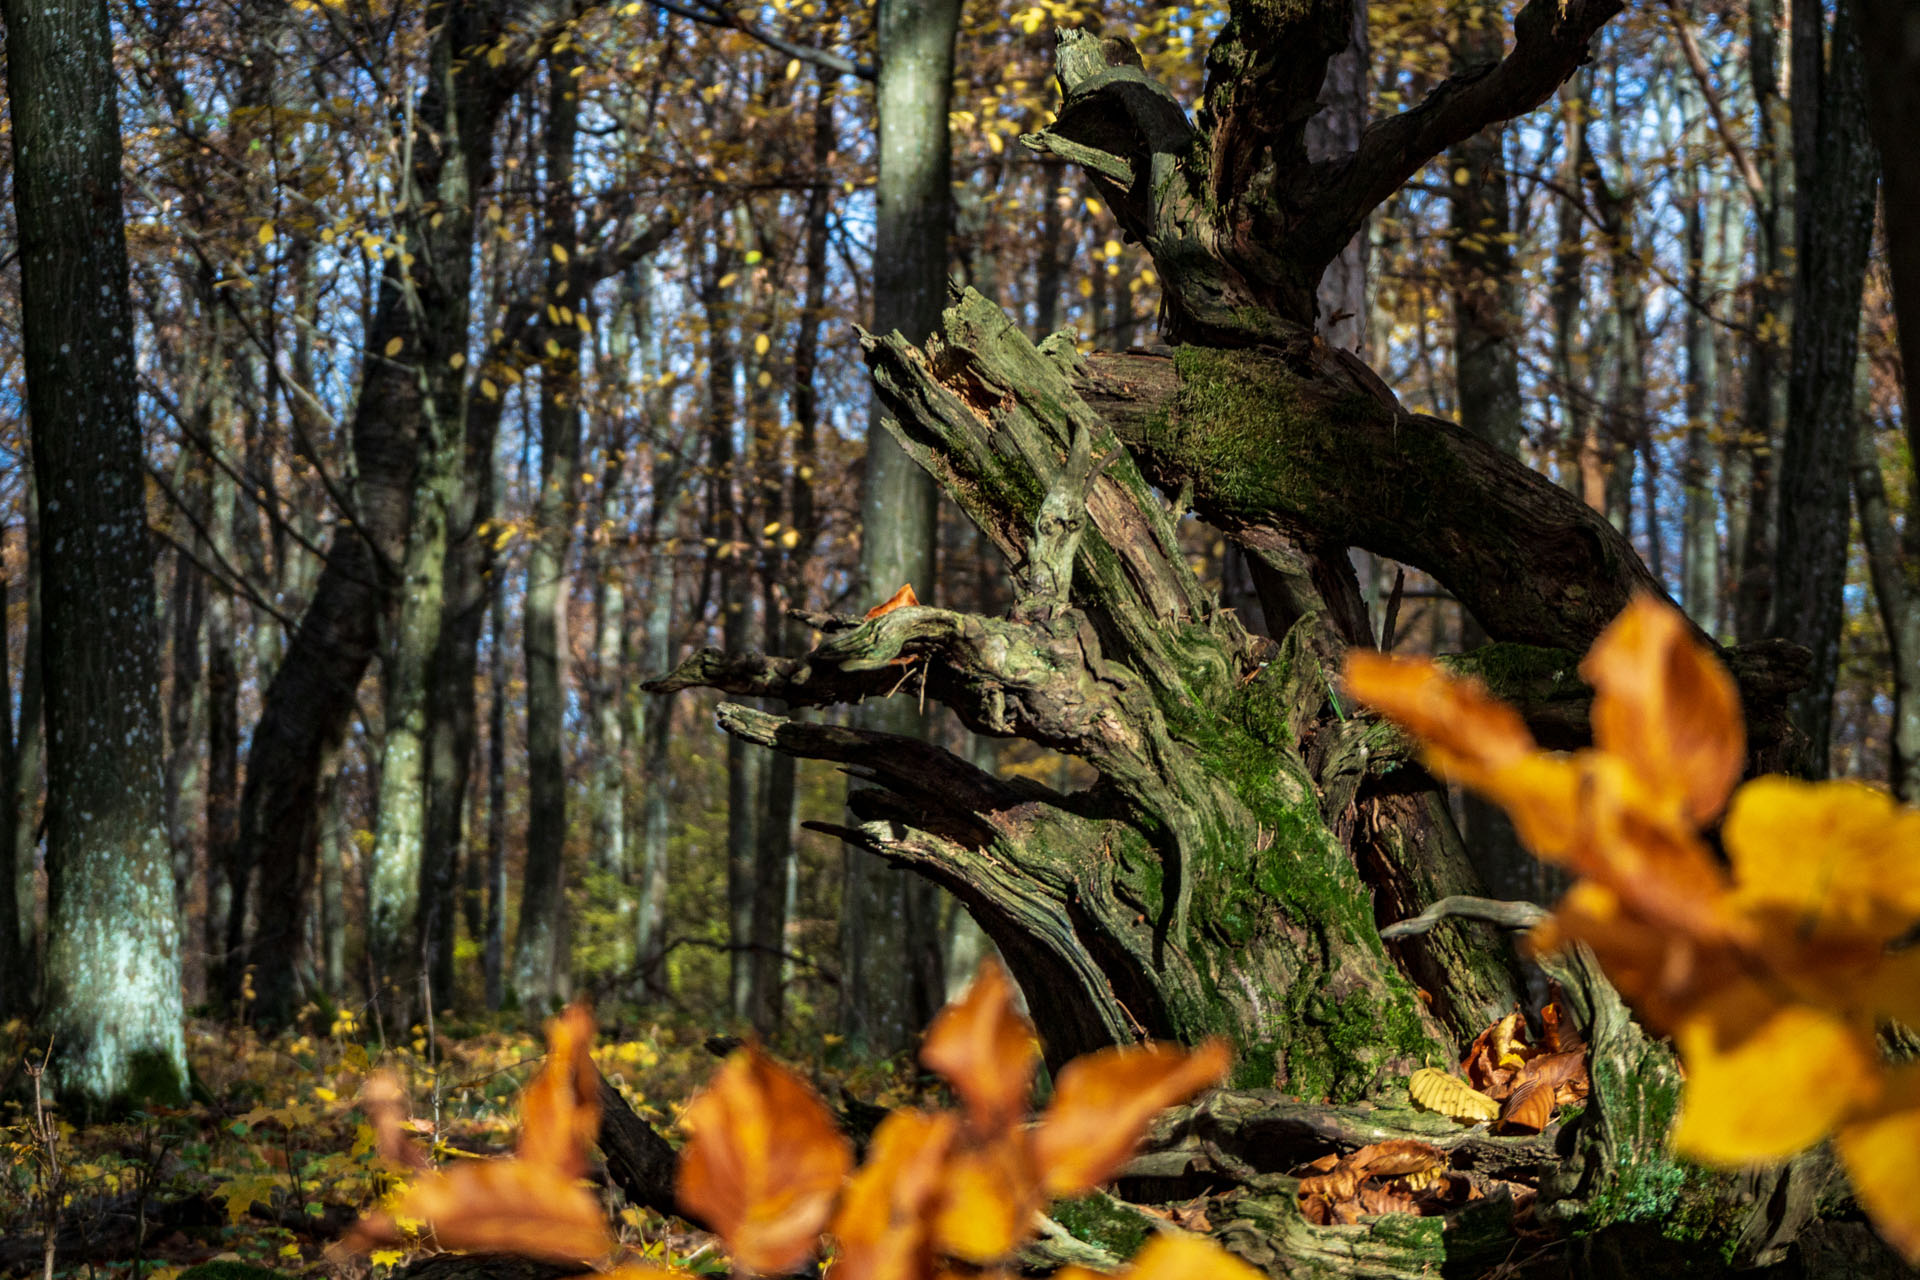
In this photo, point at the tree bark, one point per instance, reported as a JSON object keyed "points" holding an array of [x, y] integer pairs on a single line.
{"points": [[538, 963], [885, 996], [113, 935], [1837, 171], [402, 398]]}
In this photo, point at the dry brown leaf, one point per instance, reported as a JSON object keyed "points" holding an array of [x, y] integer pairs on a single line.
{"points": [[764, 1164], [901, 599], [385, 1103], [560, 1109], [1529, 1107], [1397, 1158]]}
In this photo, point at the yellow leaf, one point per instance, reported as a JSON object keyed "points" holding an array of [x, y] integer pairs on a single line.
{"points": [[1835, 858], [488, 389], [266, 233], [394, 346], [559, 254], [1448, 1094], [553, 348], [1882, 1157], [582, 323], [1185, 1257], [793, 67], [1766, 1080], [761, 344], [456, 361]]}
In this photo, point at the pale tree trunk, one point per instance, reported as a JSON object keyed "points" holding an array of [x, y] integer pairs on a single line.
{"points": [[29, 757], [891, 982], [1704, 207], [1837, 171], [1582, 463], [407, 410], [1334, 134], [493, 957], [113, 936], [537, 960]]}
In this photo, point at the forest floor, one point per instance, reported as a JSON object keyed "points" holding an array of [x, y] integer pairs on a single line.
{"points": [[273, 1160]]}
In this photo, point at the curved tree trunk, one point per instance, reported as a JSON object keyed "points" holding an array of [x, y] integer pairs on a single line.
{"points": [[1229, 871]]}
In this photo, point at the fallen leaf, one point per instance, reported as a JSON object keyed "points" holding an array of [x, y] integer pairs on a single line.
{"points": [[901, 599], [1448, 1094]]}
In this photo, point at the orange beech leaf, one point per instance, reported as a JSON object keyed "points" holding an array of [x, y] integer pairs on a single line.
{"points": [[1663, 703], [1765, 1079], [1451, 715], [1184, 1257], [1529, 1107], [901, 599], [560, 1109], [882, 1224], [533, 1204], [1103, 1102], [985, 1050], [764, 1164], [505, 1206], [1881, 1153]]}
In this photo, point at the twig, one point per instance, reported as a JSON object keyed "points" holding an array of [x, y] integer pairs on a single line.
{"points": [[1511, 915]]}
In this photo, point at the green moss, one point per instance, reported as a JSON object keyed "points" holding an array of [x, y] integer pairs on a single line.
{"points": [[1522, 671], [1341, 1047], [230, 1271], [155, 1078], [1099, 1220]]}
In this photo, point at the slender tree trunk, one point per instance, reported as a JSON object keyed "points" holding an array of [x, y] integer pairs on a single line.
{"points": [[538, 964], [886, 996], [1582, 466], [16, 995], [493, 960], [113, 935], [409, 407], [29, 756], [1837, 170], [451, 712], [1703, 201], [224, 930], [186, 702], [1752, 504]]}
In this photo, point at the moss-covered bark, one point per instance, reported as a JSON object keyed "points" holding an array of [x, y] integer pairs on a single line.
{"points": [[1229, 872]]}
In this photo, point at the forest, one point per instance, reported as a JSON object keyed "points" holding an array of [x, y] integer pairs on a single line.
{"points": [[919, 640]]}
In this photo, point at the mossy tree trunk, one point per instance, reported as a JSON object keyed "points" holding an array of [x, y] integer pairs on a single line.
{"points": [[1247, 836]]}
